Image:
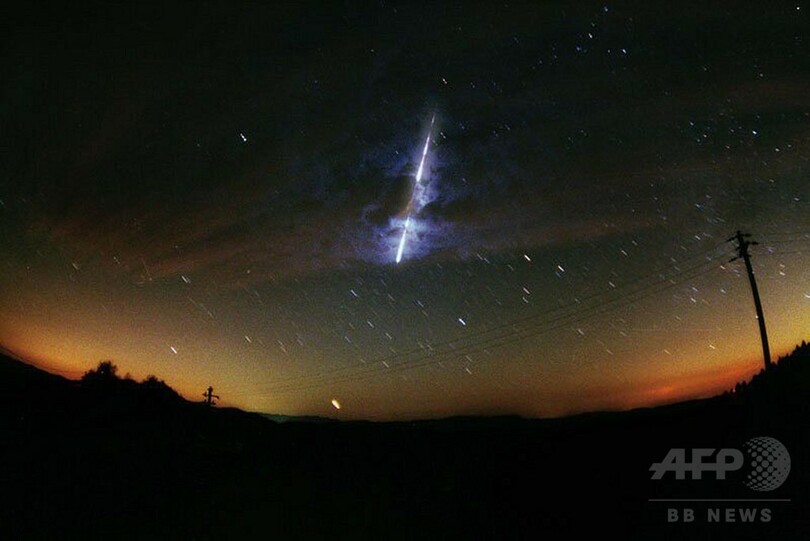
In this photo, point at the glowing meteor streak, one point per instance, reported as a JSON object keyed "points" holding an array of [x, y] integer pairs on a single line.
{"points": [[402, 240], [418, 180]]}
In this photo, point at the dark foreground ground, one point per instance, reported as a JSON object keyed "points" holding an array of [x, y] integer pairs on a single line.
{"points": [[121, 460]]}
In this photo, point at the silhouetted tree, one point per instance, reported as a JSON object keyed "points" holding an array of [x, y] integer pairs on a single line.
{"points": [[106, 371], [154, 388], [153, 381]]}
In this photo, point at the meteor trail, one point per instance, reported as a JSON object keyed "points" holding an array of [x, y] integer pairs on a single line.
{"points": [[418, 179]]}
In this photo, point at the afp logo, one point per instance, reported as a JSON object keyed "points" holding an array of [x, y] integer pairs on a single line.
{"points": [[767, 467]]}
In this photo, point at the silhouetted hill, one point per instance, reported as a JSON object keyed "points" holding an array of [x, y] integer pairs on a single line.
{"points": [[276, 418], [789, 375], [111, 458], [17, 377]]}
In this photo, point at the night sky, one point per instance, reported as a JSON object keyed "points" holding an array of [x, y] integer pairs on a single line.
{"points": [[215, 195]]}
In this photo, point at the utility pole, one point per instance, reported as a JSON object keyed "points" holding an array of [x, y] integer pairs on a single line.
{"points": [[210, 396], [742, 252]]}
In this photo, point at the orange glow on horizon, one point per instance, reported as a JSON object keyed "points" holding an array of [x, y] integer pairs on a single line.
{"points": [[656, 391]]}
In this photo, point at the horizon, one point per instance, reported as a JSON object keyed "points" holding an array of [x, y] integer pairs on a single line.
{"points": [[720, 387], [368, 213]]}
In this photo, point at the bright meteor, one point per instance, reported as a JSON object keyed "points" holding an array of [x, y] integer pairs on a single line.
{"points": [[418, 180]]}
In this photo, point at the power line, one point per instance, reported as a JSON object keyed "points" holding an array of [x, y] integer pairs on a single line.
{"points": [[457, 346], [510, 326], [575, 308], [513, 335], [492, 343], [742, 250]]}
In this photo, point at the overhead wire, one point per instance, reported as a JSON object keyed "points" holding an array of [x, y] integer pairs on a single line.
{"points": [[578, 306], [456, 347]]}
